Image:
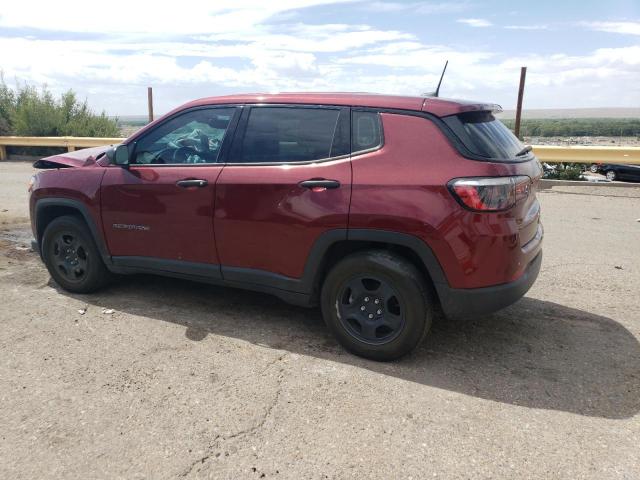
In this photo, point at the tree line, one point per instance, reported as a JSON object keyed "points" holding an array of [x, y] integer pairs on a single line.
{"points": [[29, 111], [577, 127]]}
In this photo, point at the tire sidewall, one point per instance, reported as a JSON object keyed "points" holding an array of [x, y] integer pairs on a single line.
{"points": [[94, 274], [407, 285]]}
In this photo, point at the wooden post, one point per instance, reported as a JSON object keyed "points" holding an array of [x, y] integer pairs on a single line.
{"points": [[523, 75], [150, 102], [3, 152]]}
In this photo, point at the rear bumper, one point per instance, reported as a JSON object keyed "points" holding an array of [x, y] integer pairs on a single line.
{"points": [[473, 302]]}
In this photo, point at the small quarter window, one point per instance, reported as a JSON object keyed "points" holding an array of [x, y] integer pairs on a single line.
{"points": [[365, 131]]}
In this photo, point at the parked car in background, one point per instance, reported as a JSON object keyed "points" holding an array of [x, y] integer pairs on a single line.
{"points": [[379, 209], [630, 173]]}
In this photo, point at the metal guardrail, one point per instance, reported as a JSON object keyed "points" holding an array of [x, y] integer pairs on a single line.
{"points": [[71, 143], [587, 154], [546, 153]]}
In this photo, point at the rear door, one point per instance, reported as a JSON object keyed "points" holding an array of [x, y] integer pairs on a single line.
{"points": [[287, 181], [160, 209]]}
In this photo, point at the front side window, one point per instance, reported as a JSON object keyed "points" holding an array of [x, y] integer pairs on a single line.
{"points": [[190, 138], [283, 134]]}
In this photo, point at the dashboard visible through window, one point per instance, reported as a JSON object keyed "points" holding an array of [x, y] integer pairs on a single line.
{"points": [[194, 137]]}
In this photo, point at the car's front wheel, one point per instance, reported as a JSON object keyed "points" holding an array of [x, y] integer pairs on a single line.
{"points": [[71, 256], [377, 304], [594, 168], [611, 175]]}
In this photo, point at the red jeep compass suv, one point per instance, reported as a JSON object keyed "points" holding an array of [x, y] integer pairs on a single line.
{"points": [[378, 208]]}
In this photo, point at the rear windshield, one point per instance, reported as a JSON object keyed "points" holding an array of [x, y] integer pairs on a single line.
{"points": [[485, 135]]}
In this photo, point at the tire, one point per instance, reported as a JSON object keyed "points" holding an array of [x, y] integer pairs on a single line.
{"points": [[377, 304], [71, 256], [593, 168], [611, 175]]}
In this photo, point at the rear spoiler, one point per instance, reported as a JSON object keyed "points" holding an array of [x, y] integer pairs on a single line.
{"points": [[444, 107]]}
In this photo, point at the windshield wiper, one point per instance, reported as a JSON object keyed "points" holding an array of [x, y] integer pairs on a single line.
{"points": [[524, 151]]}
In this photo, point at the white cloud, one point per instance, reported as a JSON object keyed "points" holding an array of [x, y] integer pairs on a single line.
{"points": [[527, 27], [145, 17], [628, 28], [416, 56], [424, 8], [475, 22], [229, 47], [313, 38]]}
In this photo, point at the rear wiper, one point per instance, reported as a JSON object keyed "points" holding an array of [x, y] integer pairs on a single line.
{"points": [[524, 151]]}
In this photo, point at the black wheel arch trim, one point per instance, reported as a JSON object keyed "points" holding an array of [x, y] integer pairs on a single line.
{"points": [[45, 203], [417, 245]]}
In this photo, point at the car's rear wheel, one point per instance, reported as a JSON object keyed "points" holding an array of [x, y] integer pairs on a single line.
{"points": [[377, 304], [71, 256], [611, 175]]}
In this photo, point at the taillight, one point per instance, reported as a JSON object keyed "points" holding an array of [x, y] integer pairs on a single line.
{"points": [[490, 194]]}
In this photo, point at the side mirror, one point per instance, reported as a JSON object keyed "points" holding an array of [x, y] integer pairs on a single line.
{"points": [[121, 156]]}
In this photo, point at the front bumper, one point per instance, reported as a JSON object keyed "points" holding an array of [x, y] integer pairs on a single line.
{"points": [[474, 302]]}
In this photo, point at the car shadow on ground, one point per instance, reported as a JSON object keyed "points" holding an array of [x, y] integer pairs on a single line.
{"points": [[533, 354]]}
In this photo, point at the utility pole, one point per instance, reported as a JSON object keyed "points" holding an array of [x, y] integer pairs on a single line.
{"points": [[150, 102], [523, 75]]}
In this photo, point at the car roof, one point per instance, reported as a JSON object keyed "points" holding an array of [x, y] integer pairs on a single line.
{"points": [[437, 106], [440, 107]]}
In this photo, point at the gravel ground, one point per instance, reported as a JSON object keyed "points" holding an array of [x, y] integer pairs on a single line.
{"points": [[190, 381]]}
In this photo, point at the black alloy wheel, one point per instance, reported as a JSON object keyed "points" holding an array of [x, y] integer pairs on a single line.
{"points": [[378, 304], [72, 257], [370, 309]]}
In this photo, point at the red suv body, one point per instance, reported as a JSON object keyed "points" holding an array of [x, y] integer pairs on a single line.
{"points": [[278, 192]]}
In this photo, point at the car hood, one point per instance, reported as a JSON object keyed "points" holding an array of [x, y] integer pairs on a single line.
{"points": [[79, 158]]}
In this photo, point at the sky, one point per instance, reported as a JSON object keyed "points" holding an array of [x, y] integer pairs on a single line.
{"points": [[579, 54]]}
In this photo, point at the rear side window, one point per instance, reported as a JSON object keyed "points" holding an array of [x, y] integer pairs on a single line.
{"points": [[485, 135], [281, 134], [366, 132]]}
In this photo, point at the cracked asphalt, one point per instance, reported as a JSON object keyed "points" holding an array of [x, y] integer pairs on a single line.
{"points": [[191, 381]]}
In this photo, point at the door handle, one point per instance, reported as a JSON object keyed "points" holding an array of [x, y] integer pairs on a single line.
{"points": [[319, 184], [195, 182]]}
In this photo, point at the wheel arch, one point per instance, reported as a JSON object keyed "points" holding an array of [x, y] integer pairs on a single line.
{"points": [[334, 245], [48, 209]]}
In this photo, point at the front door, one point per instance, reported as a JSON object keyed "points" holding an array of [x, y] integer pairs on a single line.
{"points": [[161, 207], [287, 181]]}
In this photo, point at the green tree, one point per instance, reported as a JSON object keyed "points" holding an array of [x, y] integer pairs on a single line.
{"points": [[28, 111]]}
